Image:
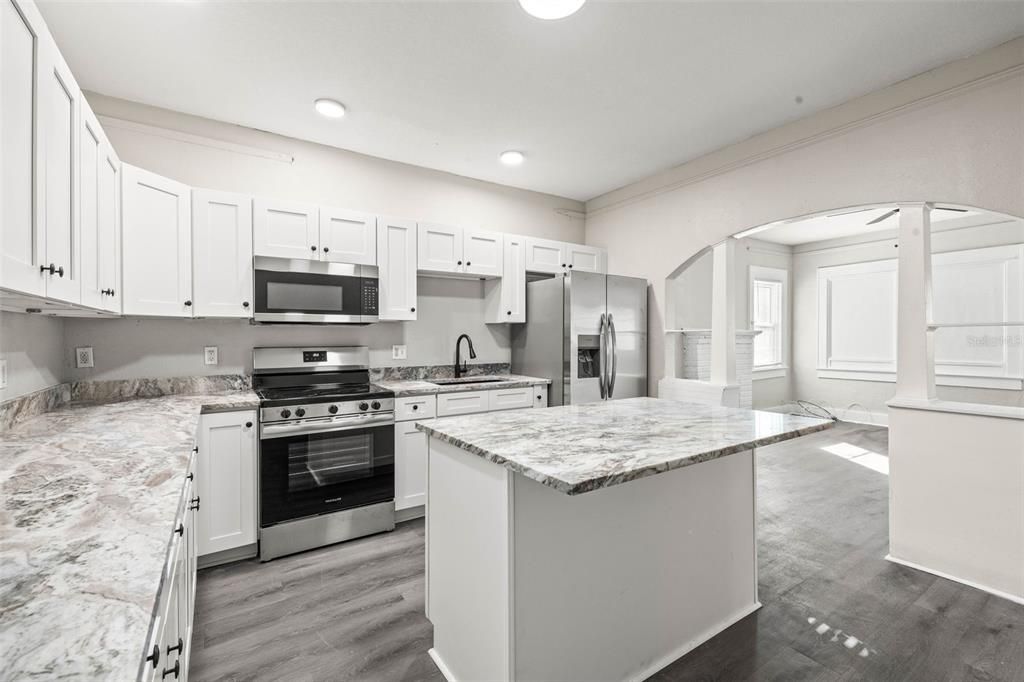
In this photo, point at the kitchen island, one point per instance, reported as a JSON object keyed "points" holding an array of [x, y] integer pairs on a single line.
{"points": [[591, 542]]}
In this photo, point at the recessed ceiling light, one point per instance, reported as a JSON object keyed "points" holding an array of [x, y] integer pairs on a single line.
{"points": [[512, 158], [330, 108], [551, 9]]}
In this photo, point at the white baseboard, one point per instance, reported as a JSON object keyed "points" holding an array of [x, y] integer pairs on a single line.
{"points": [[689, 646], [1017, 599], [441, 665]]}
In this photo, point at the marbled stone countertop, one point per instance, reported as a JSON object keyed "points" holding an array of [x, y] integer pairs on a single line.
{"points": [[408, 387], [88, 498], [579, 448]]}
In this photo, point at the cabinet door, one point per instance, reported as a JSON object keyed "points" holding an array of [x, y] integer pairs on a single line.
{"points": [[222, 253], [59, 103], [156, 241], [90, 160], [226, 477], [285, 229], [544, 255], [348, 237], [483, 253], [410, 466], [171, 614], [108, 235], [22, 241], [513, 280], [396, 261], [585, 258], [440, 248]]}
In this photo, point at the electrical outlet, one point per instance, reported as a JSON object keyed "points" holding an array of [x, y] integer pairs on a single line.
{"points": [[210, 355], [398, 352], [83, 357], [3, 373]]}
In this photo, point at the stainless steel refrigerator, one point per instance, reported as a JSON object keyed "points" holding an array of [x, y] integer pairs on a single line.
{"points": [[588, 334]]}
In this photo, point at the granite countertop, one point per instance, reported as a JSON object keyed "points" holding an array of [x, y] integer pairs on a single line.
{"points": [[579, 448], [409, 387], [87, 506]]}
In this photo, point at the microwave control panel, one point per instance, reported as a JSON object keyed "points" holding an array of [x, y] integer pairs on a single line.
{"points": [[369, 303]]}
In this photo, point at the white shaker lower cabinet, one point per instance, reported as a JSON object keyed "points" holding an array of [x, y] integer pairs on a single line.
{"points": [[168, 652], [156, 244], [222, 254], [396, 263], [227, 476], [410, 465], [462, 402], [510, 398]]}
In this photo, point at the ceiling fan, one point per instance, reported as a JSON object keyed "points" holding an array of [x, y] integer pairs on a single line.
{"points": [[886, 216]]}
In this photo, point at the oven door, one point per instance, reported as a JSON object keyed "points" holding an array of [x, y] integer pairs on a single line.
{"points": [[312, 292], [325, 465]]}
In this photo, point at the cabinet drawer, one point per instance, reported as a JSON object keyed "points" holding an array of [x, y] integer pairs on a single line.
{"points": [[415, 407], [510, 398], [466, 402], [540, 395]]}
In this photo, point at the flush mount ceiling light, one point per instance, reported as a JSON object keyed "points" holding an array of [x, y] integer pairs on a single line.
{"points": [[551, 9], [512, 158], [330, 108]]}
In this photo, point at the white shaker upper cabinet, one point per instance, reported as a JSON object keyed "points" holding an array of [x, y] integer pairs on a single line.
{"points": [[396, 262], [157, 245], [483, 253], [285, 229], [505, 298], [21, 233], [585, 258], [57, 176], [544, 255], [348, 236], [222, 253], [99, 224], [440, 248]]}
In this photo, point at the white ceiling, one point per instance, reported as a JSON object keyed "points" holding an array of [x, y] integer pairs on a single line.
{"points": [[855, 222], [601, 99]]}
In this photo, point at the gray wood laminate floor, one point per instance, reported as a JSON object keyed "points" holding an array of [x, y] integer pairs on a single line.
{"points": [[834, 609]]}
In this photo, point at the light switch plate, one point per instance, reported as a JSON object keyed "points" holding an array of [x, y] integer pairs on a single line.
{"points": [[398, 352], [3, 373], [210, 355], [83, 357]]}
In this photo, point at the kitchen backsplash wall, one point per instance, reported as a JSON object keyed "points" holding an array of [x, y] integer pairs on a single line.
{"points": [[134, 348], [33, 347]]}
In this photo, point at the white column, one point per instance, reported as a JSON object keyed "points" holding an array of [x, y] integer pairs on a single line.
{"points": [[915, 351], [723, 315]]}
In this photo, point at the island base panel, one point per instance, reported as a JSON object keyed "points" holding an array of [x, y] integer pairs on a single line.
{"points": [[609, 585]]}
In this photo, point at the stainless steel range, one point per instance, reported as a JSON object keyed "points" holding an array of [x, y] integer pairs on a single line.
{"points": [[327, 448]]}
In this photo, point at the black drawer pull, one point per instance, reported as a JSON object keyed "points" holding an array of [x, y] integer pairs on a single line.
{"points": [[178, 648], [195, 503], [180, 530], [155, 656], [176, 669]]}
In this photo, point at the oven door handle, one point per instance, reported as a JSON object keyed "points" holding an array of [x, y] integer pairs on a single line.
{"points": [[268, 431]]}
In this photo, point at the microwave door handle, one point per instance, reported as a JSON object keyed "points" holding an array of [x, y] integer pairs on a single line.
{"points": [[269, 431]]}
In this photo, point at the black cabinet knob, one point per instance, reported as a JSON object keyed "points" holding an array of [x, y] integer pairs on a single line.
{"points": [[60, 271], [176, 669], [509, 312], [540, 397], [178, 648], [468, 264], [375, 404], [248, 425], [285, 414], [301, 412], [570, 265], [180, 530], [245, 304], [412, 310], [333, 409], [563, 265], [312, 248], [111, 292], [195, 503], [52, 269], [459, 263], [155, 656], [326, 249], [364, 407], [415, 407], [188, 304], [191, 476]]}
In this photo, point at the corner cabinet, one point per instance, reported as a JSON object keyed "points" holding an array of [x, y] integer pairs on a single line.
{"points": [[227, 481], [221, 254], [396, 262], [156, 244]]}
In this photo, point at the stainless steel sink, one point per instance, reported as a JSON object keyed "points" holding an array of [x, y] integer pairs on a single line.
{"points": [[467, 380]]}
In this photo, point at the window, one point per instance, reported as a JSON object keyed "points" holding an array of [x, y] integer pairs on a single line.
{"points": [[768, 316]]}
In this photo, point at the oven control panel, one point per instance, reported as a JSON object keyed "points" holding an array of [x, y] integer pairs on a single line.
{"points": [[340, 409], [314, 356]]}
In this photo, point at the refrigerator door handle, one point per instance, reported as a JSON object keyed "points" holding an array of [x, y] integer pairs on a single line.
{"points": [[614, 352], [602, 356]]}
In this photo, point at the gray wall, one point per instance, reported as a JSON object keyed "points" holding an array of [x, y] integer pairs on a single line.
{"points": [[33, 347], [128, 348]]}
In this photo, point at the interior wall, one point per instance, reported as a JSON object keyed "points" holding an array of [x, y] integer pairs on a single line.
{"points": [[955, 135], [33, 347], [137, 347], [753, 252], [866, 399]]}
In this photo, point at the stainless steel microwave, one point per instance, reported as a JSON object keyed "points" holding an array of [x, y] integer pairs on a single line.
{"points": [[313, 292]]}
